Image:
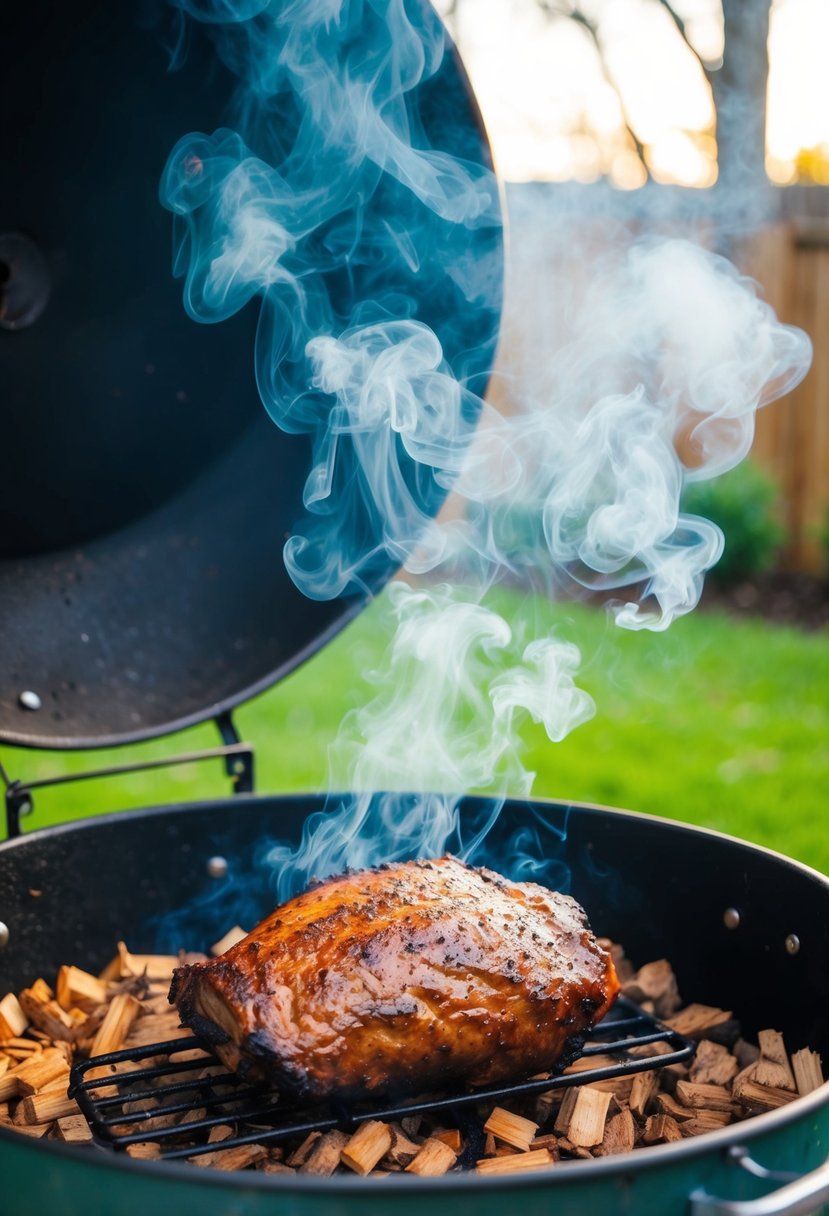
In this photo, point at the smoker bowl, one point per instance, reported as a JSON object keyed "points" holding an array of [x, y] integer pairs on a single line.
{"points": [[661, 888]]}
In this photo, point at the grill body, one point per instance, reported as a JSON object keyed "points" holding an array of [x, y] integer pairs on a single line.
{"points": [[659, 887]]}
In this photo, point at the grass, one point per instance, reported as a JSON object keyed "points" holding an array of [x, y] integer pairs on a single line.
{"points": [[717, 722]]}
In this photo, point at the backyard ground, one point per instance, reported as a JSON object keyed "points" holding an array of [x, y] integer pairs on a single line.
{"points": [[722, 721]]}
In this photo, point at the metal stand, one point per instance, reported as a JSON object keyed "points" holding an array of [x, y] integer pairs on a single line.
{"points": [[238, 758]]}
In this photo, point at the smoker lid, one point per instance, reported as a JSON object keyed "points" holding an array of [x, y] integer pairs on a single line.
{"points": [[145, 496]]}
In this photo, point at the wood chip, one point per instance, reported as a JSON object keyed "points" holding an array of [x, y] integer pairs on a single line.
{"points": [[808, 1072], [756, 1098], [234, 935], [150, 966], [325, 1154], [773, 1068], [13, 1020], [588, 1063], [669, 1106], [586, 1127], [300, 1155], [74, 1129], [38, 1071], [8, 1086], [697, 1021], [550, 1141], [713, 1064], [239, 1157], [41, 1033], [661, 1129], [35, 1130], [156, 1028], [711, 1097], [512, 1129], [433, 1158], [654, 982], [536, 1159], [370, 1142], [144, 1150], [565, 1111], [20, 1049], [402, 1151], [773, 1047], [78, 988], [220, 1132], [572, 1150], [619, 1135], [705, 1121], [643, 1090], [452, 1137], [113, 1031], [618, 1087], [45, 1013], [46, 1107]]}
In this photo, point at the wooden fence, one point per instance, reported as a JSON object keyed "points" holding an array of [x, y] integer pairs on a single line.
{"points": [[790, 260]]}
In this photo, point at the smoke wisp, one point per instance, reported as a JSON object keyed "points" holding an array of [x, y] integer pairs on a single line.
{"points": [[344, 196]]}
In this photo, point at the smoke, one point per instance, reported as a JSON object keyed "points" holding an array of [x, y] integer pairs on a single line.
{"points": [[345, 200]]}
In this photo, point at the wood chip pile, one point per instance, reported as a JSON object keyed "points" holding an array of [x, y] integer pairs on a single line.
{"points": [[44, 1029]]}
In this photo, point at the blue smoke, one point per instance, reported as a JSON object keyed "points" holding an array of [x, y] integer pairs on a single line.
{"points": [[347, 199], [346, 196]]}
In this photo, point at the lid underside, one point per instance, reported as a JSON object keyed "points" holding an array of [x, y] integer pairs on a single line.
{"points": [[146, 495]]}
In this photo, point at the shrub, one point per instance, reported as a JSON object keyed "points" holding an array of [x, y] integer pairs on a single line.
{"points": [[744, 503]]}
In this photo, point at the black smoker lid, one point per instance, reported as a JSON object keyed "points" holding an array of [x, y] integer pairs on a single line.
{"points": [[145, 495]]}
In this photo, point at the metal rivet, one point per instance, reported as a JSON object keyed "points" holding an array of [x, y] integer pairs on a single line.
{"points": [[731, 918], [4, 935], [29, 699], [217, 867], [238, 767], [792, 944]]}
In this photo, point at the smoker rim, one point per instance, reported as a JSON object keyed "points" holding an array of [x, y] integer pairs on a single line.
{"points": [[571, 1171]]}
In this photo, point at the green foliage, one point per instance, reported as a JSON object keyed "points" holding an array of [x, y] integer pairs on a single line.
{"points": [[744, 503], [718, 722]]}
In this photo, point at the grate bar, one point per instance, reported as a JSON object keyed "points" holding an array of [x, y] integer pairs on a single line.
{"points": [[643, 1040], [178, 1108], [178, 1087], [246, 1103]]}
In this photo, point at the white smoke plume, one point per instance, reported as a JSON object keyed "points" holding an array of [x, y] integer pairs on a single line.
{"points": [[667, 355]]}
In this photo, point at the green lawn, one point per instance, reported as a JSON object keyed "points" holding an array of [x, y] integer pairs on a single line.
{"points": [[718, 722]]}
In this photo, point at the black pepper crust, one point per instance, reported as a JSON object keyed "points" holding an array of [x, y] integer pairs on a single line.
{"points": [[420, 975]]}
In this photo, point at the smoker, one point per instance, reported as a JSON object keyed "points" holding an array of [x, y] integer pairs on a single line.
{"points": [[144, 504]]}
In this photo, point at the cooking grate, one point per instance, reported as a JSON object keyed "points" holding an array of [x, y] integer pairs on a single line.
{"points": [[178, 1092]]}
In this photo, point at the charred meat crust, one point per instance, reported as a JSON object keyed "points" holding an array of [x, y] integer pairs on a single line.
{"points": [[414, 976]]}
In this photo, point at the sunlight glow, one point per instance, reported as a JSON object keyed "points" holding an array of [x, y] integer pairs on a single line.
{"points": [[797, 133], [556, 109]]}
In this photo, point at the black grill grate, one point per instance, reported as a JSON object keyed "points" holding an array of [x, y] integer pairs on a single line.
{"points": [[163, 1097]]}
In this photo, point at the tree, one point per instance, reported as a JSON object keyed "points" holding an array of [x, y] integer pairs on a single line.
{"points": [[737, 83]]}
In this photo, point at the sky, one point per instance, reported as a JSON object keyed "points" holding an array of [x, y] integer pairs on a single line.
{"points": [[555, 112]]}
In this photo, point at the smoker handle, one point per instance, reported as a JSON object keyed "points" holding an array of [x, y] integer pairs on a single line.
{"points": [[803, 1197]]}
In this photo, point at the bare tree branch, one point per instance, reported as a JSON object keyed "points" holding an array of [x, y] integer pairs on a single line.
{"points": [[683, 33], [576, 14]]}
